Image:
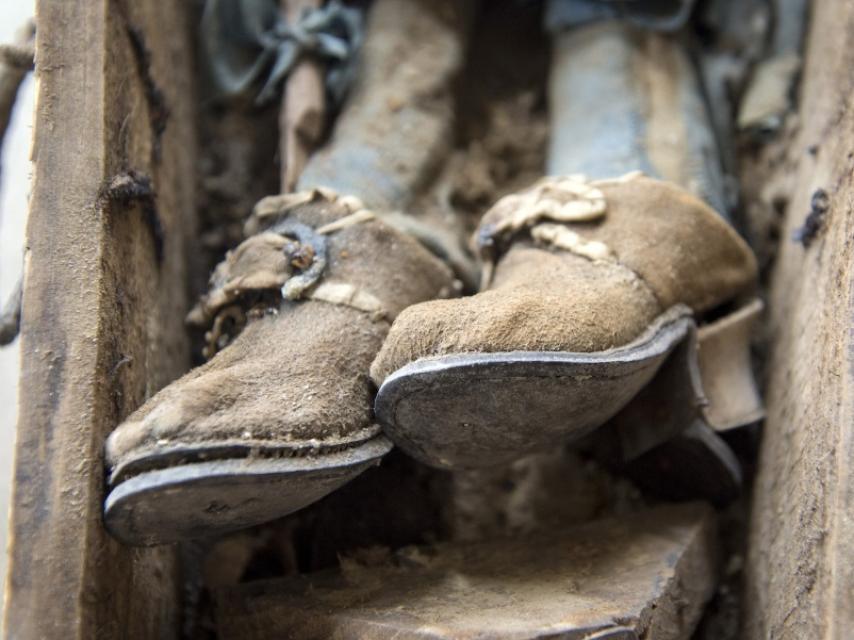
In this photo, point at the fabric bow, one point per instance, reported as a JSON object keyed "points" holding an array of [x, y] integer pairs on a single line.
{"points": [[247, 41]]}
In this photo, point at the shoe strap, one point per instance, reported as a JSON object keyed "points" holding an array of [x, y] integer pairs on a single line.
{"points": [[534, 212], [283, 259]]}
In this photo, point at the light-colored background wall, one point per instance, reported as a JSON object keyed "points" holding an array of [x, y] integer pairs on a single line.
{"points": [[15, 172]]}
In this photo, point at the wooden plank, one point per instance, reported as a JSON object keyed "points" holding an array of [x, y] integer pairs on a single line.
{"points": [[103, 307], [647, 575], [800, 568]]}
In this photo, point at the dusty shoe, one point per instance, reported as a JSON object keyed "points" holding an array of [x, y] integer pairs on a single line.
{"points": [[594, 285], [281, 415]]}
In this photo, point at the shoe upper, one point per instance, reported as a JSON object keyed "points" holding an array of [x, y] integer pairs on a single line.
{"points": [[582, 267], [295, 378]]}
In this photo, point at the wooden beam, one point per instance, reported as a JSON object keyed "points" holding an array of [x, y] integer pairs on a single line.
{"points": [[647, 575], [104, 299], [801, 559]]}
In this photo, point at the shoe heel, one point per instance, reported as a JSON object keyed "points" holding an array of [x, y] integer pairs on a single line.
{"points": [[732, 395], [667, 438]]}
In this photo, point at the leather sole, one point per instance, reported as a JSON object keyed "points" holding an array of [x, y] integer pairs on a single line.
{"points": [[201, 499], [483, 409]]}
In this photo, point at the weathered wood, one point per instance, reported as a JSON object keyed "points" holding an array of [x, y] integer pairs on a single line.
{"points": [[647, 575], [103, 307], [801, 560], [303, 106]]}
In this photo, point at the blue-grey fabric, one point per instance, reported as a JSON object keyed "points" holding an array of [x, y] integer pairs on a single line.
{"points": [[661, 15], [599, 112], [249, 48]]}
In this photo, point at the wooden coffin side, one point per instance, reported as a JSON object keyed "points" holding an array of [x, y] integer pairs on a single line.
{"points": [[801, 560], [103, 307]]}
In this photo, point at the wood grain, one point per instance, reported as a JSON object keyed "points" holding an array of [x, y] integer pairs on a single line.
{"points": [[800, 568], [303, 106], [646, 575], [102, 310]]}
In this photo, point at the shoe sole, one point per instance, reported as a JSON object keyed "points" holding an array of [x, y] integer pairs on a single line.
{"points": [[483, 409], [202, 499]]}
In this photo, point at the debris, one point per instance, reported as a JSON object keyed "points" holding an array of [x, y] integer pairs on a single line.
{"points": [[819, 205], [133, 188], [128, 187]]}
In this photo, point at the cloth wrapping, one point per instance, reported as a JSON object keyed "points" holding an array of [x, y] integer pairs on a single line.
{"points": [[659, 15], [247, 43]]}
